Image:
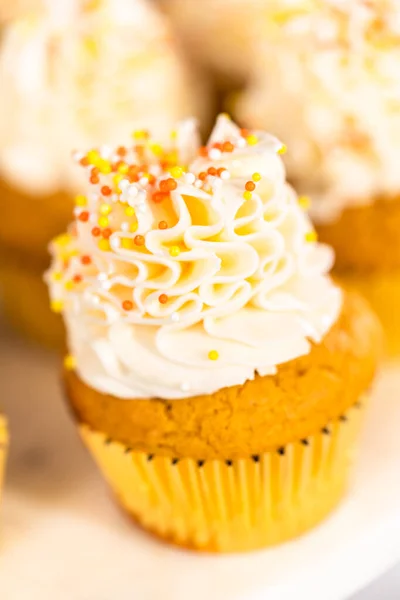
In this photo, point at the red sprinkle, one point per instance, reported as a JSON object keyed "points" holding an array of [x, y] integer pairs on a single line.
{"points": [[202, 175], [83, 216], [227, 147], [86, 260], [250, 186], [127, 305], [106, 233], [84, 161], [96, 231], [203, 151], [106, 191], [163, 299], [160, 197], [244, 132], [77, 278], [212, 171], [94, 179], [121, 151]]}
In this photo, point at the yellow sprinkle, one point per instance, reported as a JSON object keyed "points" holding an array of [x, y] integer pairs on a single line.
{"points": [[174, 134], [104, 167], [80, 200], [117, 178], [129, 211], [57, 306], [103, 221], [213, 355], [282, 149], [311, 236], [140, 134], [156, 149], [123, 168], [252, 140], [133, 227], [104, 245], [256, 177], [63, 239], [69, 362], [69, 285], [90, 46], [93, 157], [127, 243], [56, 276], [105, 209], [174, 251], [304, 202], [176, 172], [247, 195]]}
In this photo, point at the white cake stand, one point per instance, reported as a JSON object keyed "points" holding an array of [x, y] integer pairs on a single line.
{"points": [[64, 539]]}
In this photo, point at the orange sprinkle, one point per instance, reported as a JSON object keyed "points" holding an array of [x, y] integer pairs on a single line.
{"points": [[212, 171], [127, 305], [83, 216], [172, 184], [77, 278], [162, 225], [121, 151], [159, 197], [94, 179], [106, 191], [163, 299], [86, 260], [220, 171], [244, 132], [96, 231], [202, 175], [227, 147], [164, 185], [106, 233], [139, 240], [94, 171], [203, 151], [250, 186], [217, 145], [84, 161]]}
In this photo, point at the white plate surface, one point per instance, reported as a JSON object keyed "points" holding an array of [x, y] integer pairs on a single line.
{"points": [[64, 539]]}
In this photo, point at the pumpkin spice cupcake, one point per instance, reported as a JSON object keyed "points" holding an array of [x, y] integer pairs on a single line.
{"points": [[217, 374], [326, 82], [74, 73]]}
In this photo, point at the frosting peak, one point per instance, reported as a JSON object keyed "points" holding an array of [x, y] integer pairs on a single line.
{"points": [[178, 279]]}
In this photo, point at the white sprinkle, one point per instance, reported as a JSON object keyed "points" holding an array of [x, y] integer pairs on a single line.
{"points": [[125, 226], [215, 154], [76, 211], [143, 181], [175, 318], [190, 178], [132, 191], [114, 198], [225, 175], [123, 184], [198, 183], [105, 151], [115, 242], [106, 285], [102, 276], [185, 387], [241, 143]]}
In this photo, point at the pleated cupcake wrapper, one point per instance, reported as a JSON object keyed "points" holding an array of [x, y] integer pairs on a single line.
{"points": [[232, 505], [3, 447]]}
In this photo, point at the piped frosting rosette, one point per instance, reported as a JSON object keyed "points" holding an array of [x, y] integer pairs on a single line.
{"points": [[188, 268]]}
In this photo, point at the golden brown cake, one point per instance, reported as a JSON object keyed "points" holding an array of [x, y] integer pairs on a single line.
{"points": [[73, 74], [216, 372]]}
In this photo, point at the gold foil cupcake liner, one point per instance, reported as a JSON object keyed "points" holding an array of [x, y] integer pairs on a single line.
{"points": [[232, 505], [3, 447]]}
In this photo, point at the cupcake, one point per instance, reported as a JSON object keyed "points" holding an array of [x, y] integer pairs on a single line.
{"points": [[73, 73], [217, 374], [3, 447], [327, 83]]}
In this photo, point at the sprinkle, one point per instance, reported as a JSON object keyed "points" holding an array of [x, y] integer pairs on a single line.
{"points": [[212, 171], [190, 178], [121, 151], [202, 176], [213, 355], [84, 162], [69, 362], [162, 225], [96, 231], [104, 245], [140, 134], [176, 172], [139, 240], [304, 202], [256, 177], [85, 259], [282, 149], [94, 179], [63, 240], [127, 243], [77, 278], [57, 306], [156, 149], [80, 200], [83, 216], [106, 190], [247, 195], [225, 174], [129, 211], [174, 251], [123, 168], [56, 276], [105, 167], [163, 299], [171, 185], [203, 151], [250, 186], [215, 154], [103, 221], [127, 305], [69, 285], [244, 132], [252, 140], [133, 227], [311, 236], [159, 197], [93, 157], [106, 233], [105, 209], [227, 147]]}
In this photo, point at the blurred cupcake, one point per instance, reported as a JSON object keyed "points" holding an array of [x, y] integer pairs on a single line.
{"points": [[327, 84], [77, 73], [216, 372], [3, 448]]}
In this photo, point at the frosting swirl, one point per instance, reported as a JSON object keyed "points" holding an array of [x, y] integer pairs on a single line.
{"points": [[327, 82], [178, 280], [79, 73]]}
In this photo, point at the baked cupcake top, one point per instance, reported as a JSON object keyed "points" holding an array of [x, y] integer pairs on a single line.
{"points": [[189, 269], [79, 73], [327, 82]]}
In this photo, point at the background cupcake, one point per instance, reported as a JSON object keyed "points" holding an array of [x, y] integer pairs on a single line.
{"points": [[73, 73], [3, 447], [326, 82], [216, 372]]}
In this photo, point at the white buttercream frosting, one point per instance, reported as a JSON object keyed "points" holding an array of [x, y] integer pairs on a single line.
{"points": [[79, 73], [199, 288], [327, 82]]}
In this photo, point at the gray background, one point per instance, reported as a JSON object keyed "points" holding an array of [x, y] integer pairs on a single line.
{"points": [[385, 588]]}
